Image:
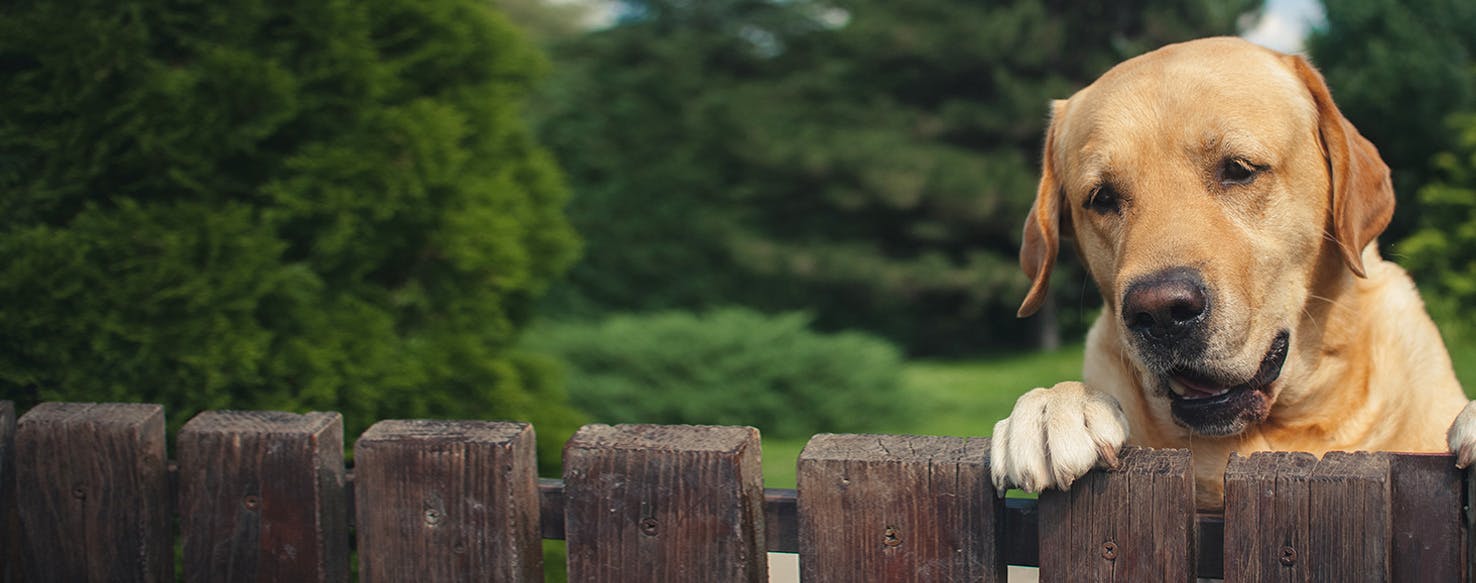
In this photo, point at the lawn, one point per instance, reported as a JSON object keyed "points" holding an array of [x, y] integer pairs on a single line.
{"points": [[962, 398]]}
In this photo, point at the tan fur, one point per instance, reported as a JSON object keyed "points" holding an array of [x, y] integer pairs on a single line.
{"points": [[1366, 368]]}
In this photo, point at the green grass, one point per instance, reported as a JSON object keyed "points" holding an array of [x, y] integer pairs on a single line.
{"points": [[959, 398]]}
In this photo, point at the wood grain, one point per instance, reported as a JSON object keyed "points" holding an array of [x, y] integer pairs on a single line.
{"points": [[262, 497], [1134, 523], [90, 483], [1426, 495], [1292, 517], [664, 503], [1267, 512], [442, 501], [898, 508]]}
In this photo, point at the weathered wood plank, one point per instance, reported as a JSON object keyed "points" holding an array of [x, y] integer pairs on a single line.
{"points": [[262, 497], [664, 503], [90, 483], [1267, 511], [1426, 496], [1134, 523], [898, 508], [1292, 517], [1350, 515], [10, 556], [447, 501]]}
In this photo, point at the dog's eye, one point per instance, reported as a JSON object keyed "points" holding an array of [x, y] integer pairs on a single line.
{"points": [[1235, 171], [1103, 200]]}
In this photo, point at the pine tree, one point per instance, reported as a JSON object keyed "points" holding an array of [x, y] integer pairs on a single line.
{"points": [[1398, 70], [868, 160], [256, 204]]}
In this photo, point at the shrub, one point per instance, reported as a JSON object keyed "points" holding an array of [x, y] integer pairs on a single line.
{"points": [[332, 205], [727, 366]]}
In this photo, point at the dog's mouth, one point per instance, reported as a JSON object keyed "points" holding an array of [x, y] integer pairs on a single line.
{"points": [[1210, 406]]}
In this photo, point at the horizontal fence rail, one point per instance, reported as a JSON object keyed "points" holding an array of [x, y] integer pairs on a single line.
{"points": [[88, 494]]}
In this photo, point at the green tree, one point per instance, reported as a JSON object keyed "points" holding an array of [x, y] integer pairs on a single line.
{"points": [[1398, 70], [868, 160], [1442, 252], [332, 205]]}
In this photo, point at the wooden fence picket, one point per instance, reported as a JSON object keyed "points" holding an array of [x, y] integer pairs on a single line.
{"points": [[1135, 523], [94, 502], [898, 508], [447, 501], [261, 497], [664, 503]]}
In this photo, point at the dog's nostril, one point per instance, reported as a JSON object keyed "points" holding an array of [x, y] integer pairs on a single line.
{"points": [[1186, 309], [1165, 306]]}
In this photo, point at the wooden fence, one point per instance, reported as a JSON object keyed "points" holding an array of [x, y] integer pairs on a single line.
{"points": [[90, 495]]}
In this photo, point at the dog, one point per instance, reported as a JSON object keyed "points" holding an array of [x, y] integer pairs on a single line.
{"points": [[1227, 212]]}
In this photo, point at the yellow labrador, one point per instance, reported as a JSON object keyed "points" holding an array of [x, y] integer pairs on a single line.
{"points": [[1227, 212]]}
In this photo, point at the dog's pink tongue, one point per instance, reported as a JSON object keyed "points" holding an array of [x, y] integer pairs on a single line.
{"points": [[1198, 389]]}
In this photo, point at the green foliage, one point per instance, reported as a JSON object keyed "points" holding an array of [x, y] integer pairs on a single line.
{"points": [[868, 160], [1442, 253], [1397, 71], [330, 205], [727, 366]]}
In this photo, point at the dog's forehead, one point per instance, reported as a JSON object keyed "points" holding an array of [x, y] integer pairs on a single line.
{"points": [[1208, 94]]}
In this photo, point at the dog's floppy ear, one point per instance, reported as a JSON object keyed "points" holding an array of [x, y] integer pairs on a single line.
{"points": [[1362, 194], [1042, 238]]}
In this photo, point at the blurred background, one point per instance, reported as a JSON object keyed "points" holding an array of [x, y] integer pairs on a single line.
{"points": [[798, 215]]}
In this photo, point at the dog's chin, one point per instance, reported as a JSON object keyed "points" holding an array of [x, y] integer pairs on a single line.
{"points": [[1206, 404]]}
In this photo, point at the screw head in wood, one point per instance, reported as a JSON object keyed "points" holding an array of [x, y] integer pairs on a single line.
{"points": [[1288, 556], [648, 526], [1109, 550], [432, 516], [891, 537], [79, 492], [251, 502]]}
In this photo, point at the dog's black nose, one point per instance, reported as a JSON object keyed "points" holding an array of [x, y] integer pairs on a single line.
{"points": [[1165, 306]]}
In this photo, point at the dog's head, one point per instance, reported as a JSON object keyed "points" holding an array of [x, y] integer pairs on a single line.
{"points": [[1216, 195]]}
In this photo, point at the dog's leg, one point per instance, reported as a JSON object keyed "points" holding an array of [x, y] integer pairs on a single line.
{"points": [[1462, 436], [1055, 435]]}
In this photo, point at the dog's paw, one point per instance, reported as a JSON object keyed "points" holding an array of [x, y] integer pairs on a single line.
{"points": [[1462, 436], [1054, 436]]}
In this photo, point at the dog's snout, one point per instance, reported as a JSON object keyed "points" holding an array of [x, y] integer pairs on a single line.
{"points": [[1166, 306]]}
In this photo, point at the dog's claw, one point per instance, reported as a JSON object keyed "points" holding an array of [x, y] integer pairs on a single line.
{"points": [[1109, 456], [1462, 436]]}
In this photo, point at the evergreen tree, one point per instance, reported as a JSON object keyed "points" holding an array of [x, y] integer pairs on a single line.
{"points": [[260, 204], [1398, 70], [869, 160], [1442, 251]]}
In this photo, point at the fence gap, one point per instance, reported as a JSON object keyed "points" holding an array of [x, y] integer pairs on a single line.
{"points": [[1133, 523], [262, 497], [447, 501], [90, 483], [898, 508], [664, 503], [10, 556]]}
